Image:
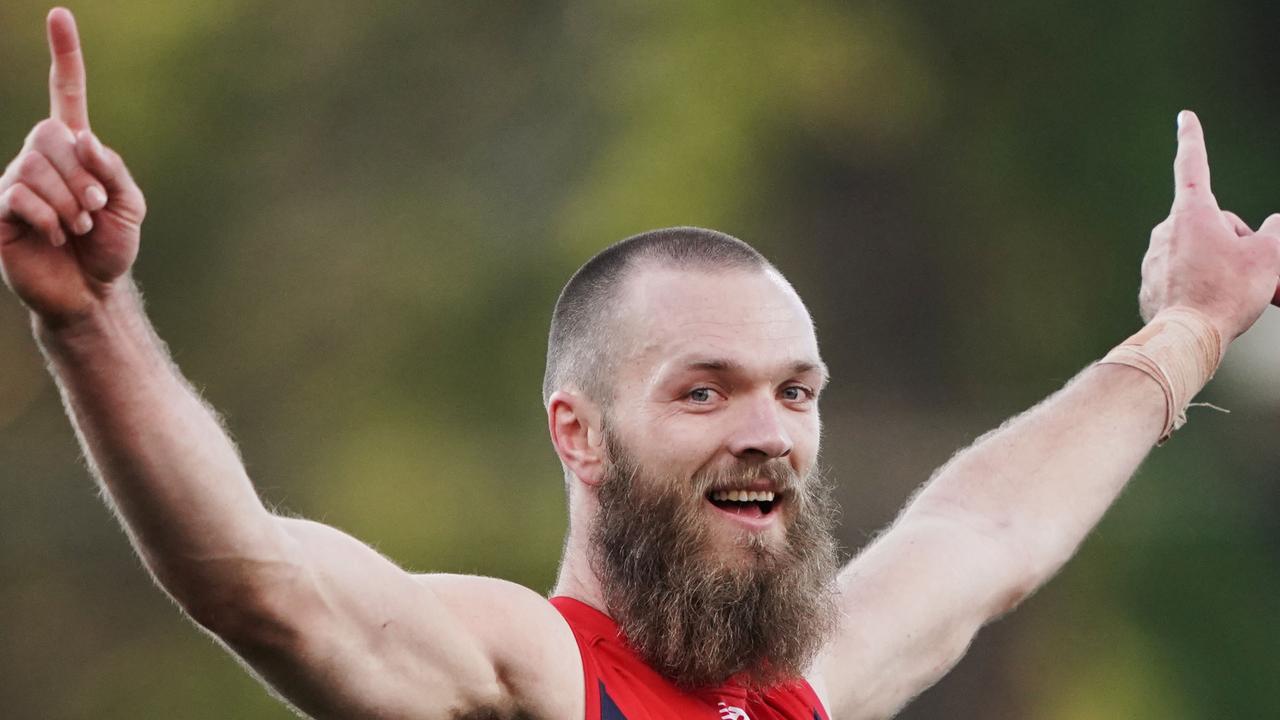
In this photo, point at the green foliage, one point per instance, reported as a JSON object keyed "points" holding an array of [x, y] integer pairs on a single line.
{"points": [[361, 215]]}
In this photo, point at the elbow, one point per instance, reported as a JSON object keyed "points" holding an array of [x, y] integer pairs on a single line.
{"points": [[1031, 559], [245, 616], [254, 601], [1014, 558], [1011, 597]]}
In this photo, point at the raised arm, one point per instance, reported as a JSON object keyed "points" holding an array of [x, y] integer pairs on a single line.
{"points": [[335, 627], [1004, 515]]}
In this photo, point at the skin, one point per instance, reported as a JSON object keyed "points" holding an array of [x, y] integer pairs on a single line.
{"points": [[723, 369], [342, 632]]}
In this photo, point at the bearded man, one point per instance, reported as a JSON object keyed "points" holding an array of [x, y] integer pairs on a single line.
{"points": [[683, 375]]}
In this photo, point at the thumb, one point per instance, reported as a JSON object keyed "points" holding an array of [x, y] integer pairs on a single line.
{"points": [[101, 162], [123, 195]]}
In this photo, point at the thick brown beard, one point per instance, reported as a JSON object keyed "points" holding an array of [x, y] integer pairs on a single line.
{"points": [[698, 619]]}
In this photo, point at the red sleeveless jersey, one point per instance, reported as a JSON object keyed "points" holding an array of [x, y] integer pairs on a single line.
{"points": [[620, 686]]}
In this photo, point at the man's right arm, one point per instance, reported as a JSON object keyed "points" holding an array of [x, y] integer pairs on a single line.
{"points": [[335, 627]]}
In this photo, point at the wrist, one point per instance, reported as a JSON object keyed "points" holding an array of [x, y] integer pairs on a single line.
{"points": [[1180, 349], [1203, 334], [115, 310]]}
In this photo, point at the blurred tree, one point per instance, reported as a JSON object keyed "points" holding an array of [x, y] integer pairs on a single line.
{"points": [[361, 214]]}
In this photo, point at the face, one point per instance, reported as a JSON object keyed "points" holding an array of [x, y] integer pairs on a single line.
{"points": [[720, 371], [716, 399]]}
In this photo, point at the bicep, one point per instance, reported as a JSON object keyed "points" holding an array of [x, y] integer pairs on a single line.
{"points": [[350, 634], [910, 605]]}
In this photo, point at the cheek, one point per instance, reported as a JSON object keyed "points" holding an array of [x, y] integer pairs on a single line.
{"points": [[686, 447], [677, 439], [669, 448], [806, 436]]}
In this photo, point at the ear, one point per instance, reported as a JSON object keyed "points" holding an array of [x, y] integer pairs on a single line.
{"points": [[575, 424]]}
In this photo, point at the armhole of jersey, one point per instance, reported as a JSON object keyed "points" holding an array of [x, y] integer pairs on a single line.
{"points": [[821, 709], [815, 687], [590, 674]]}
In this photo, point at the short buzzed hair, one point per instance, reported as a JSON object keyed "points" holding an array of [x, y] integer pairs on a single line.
{"points": [[582, 346]]}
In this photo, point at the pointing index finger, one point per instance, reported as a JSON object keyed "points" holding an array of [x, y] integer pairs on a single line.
{"points": [[67, 101], [1191, 166]]}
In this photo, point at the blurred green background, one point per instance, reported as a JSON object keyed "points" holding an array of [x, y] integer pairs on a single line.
{"points": [[361, 214]]}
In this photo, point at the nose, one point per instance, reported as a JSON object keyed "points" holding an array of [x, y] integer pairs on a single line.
{"points": [[760, 434]]}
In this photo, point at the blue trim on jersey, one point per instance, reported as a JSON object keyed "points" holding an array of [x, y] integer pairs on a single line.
{"points": [[608, 708]]}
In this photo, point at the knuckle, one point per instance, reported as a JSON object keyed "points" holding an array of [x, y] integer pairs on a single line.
{"points": [[25, 201], [68, 84], [20, 194], [1268, 252], [69, 89], [41, 209], [31, 164], [79, 178], [43, 216], [49, 130]]}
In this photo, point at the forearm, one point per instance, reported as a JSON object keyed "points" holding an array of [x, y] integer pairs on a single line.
{"points": [[165, 463], [991, 525], [1044, 479]]}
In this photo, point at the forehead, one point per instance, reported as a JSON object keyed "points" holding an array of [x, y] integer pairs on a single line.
{"points": [[751, 317]]}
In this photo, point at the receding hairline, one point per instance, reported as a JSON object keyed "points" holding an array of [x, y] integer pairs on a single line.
{"points": [[581, 349]]}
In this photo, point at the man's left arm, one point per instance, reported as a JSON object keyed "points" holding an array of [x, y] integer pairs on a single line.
{"points": [[1003, 516]]}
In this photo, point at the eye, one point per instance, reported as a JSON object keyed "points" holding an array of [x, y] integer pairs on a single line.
{"points": [[701, 395], [797, 393]]}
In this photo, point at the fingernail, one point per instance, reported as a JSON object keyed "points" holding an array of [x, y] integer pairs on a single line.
{"points": [[58, 239], [1178, 120], [84, 223], [96, 198]]}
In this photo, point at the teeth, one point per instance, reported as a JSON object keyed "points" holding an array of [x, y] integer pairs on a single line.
{"points": [[743, 495]]}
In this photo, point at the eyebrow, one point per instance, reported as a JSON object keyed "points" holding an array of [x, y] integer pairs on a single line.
{"points": [[798, 367]]}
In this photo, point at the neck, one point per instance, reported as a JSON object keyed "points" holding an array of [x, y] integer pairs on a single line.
{"points": [[576, 578]]}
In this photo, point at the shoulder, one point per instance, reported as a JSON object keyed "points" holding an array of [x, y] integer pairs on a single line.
{"points": [[531, 644]]}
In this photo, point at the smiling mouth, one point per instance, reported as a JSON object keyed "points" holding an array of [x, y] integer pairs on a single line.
{"points": [[752, 503]]}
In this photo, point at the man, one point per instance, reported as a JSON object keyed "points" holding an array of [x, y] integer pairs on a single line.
{"points": [[682, 386]]}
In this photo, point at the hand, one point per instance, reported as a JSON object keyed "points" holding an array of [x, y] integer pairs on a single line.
{"points": [[70, 214], [1206, 258]]}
